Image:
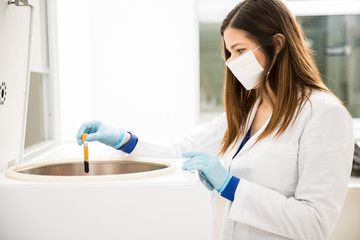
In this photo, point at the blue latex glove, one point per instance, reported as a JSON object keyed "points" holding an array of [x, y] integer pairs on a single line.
{"points": [[98, 131], [210, 166]]}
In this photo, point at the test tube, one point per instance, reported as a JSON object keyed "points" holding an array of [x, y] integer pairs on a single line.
{"points": [[86, 153]]}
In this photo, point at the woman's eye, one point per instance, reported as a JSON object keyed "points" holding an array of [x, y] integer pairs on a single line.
{"points": [[240, 51]]}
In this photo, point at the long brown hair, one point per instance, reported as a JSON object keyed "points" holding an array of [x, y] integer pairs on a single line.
{"points": [[293, 70]]}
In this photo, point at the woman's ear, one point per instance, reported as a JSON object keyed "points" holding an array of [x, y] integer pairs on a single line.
{"points": [[279, 42]]}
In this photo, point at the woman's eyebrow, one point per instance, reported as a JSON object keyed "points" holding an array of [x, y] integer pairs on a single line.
{"points": [[237, 44]]}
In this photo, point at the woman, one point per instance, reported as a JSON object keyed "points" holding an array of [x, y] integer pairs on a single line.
{"points": [[285, 140]]}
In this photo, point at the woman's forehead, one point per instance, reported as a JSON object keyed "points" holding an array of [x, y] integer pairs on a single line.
{"points": [[234, 35]]}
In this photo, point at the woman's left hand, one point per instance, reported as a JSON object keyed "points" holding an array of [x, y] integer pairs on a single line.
{"points": [[210, 166]]}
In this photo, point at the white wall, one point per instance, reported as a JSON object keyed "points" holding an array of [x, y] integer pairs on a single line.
{"points": [[133, 64]]}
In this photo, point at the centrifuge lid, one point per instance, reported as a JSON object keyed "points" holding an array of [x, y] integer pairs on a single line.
{"points": [[15, 32]]}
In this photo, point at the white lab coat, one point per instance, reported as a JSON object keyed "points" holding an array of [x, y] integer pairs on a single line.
{"points": [[291, 187]]}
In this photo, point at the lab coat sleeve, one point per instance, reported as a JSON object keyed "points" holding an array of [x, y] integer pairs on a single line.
{"points": [[325, 155], [206, 139]]}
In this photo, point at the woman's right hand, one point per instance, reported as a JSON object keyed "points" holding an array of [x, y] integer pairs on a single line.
{"points": [[98, 131]]}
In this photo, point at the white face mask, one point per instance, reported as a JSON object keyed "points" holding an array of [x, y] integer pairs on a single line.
{"points": [[246, 69]]}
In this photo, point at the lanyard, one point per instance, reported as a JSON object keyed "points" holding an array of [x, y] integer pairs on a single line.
{"points": [[246, 138]]}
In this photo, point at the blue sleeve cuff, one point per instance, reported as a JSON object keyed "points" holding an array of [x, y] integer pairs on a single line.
{"points": [[230, 189], [130, 145]]}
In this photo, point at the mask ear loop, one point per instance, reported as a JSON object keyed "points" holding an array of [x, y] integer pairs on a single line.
{"points": [[272, 64], [257, 48]]}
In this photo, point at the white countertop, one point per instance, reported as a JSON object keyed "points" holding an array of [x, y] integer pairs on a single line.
{"points": [[354, 182]]}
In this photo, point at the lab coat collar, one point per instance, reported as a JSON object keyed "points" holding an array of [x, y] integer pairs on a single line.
{"points": [[249, 122]]}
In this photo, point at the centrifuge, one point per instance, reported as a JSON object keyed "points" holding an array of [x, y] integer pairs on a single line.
{"points": [[50, 197]]}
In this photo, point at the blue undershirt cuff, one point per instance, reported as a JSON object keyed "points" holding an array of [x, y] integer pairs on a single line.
{"points": [[130, 145], [229, 191]]}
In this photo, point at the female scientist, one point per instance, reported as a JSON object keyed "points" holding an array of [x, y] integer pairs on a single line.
{"points": [[286, 142]]}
